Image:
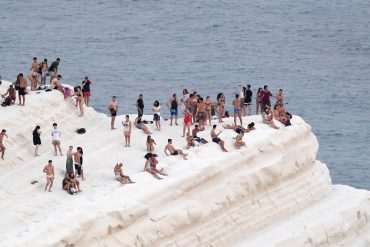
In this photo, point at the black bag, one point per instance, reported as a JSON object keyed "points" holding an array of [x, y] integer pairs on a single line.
{"points": [[81, 131]]}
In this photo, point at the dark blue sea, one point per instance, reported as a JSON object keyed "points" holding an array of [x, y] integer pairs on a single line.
{"points": [[318, 52]]}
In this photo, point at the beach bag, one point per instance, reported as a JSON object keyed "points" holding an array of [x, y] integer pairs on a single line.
{"points": [[81, 131]]}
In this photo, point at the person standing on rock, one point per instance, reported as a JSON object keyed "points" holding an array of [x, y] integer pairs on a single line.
{"points": [[36, 139], [140, 106], [56, 134], [2, 147], [86, 90], [78, 162], [69, 162], [22, 89], [113, 108], [49, 170], [248, 94], [265, 98], [53, 69], [127, 130]]}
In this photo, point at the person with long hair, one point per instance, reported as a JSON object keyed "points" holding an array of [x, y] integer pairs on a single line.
{"points": [[127, 130], [157, 115], [36, 139], [258, 100], [221, 106]]}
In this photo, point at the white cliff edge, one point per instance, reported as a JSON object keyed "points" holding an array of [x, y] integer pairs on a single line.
{"points": [[272, 193]]}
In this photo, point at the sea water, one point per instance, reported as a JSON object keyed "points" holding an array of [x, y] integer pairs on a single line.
{"points": [[318, 52]]}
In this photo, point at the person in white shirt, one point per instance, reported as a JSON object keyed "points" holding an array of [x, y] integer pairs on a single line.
{"points": [[56, 134], [157, 115]]}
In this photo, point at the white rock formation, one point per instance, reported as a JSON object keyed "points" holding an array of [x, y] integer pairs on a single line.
{"points": [[272, 193]]}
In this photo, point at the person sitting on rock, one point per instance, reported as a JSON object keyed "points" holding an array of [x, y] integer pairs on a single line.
{"points": [[239, 140], [10, 99], [173, 151], [120, 177], [190, 141], [140, 125], [151, 166], [194, 133], [150, 143], [268, 118], [216, 139]]}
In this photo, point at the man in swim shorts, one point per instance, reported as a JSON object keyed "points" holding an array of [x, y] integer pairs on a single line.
{"points": [[2, 147], [22, 89], [173, 151], [49, 170], [216, 139], [237, 109], [194, 133], [77, 160]]}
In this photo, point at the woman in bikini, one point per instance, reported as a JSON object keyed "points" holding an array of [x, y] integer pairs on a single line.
{"points": [[187, 122], [208, 103], [80, 100], [221, 106], [258, 100], [151, 166]]}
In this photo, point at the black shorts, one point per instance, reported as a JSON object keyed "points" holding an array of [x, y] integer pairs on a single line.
{"points": [[22, 91], [140, 112], [156, 117], [216, 140], [200, 115], [113, 113], [175, 153], [78, 168]]}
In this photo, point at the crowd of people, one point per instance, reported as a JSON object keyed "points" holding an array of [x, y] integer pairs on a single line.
{"points": [[195, 111]]}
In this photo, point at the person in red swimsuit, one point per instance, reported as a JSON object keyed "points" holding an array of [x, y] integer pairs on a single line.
{"points": [[187, 121]]}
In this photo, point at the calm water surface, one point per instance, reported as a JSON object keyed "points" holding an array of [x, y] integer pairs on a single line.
{"points": [[317, 51]]}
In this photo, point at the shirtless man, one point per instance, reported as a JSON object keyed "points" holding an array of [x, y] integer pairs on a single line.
{"points": [[237, 109], [34, 74], [12, 94], [173, 151], [120, 177], [239, 140], [44, 71], [113, 108], [49, 170], [22, 89], [55, 84], [77, 160], [56, 134], [2, 147], [194, 134], [201, 112], [216, 139]]}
